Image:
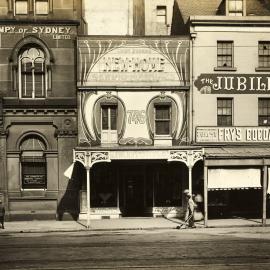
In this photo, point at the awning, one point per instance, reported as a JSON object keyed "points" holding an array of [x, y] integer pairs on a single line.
{"points": [[234, 178], [237, 152], [68, 172]]}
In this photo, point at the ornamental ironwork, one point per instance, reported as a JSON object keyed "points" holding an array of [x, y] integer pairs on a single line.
{"points": [[89, 158], [189, 157]]}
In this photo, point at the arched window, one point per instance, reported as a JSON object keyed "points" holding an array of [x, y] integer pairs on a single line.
{"points": [[32, 72], [33, 163]]}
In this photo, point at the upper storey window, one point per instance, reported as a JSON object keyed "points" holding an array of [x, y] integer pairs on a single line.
{"points": [[41, 7], [24, 7], [235, 7], [32, 73], [162, 119], [225, 54], [264, 54], [109, 123], [161, 14], [21, 7]]}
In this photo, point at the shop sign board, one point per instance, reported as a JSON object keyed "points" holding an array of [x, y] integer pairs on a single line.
{"points": [[233, 84], [56, 32], [132, 62], [233, 134]]}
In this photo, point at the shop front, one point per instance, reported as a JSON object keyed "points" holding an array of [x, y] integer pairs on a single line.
{"points": [[148, 183], [133, 96], [236, 182]]}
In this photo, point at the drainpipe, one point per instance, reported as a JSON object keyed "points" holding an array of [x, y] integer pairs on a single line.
{"points": [[264, 195], [191, 114]]}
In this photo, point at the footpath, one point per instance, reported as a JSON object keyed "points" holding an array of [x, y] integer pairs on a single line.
{"points": [[120, 224]]}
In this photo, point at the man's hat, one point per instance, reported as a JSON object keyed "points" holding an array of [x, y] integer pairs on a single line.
{"points": [[187, 193]]}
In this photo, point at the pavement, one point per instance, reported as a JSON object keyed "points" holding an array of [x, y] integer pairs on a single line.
{"points": [[121, 224]]}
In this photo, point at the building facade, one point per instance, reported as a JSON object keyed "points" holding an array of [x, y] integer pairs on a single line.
{"points": [[38, 106], [133, 96], [230, 66]]}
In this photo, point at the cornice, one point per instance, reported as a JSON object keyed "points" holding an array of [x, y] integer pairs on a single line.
{"points": [[230, 21]]}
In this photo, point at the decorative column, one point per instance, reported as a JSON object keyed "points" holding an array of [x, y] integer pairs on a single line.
{"points": [[88, 159], [205, 196], [189, 157]]}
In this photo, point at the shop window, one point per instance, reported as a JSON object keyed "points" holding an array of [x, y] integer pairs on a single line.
{"points": [[21, 7], [167, 191], [235, 7], [41, 7], [32, 72], [103, 186], [162, 119], [264, 111], [264, 54], [224, 112], [109, 123], [161, 14], [33, 163], [225, 54]]}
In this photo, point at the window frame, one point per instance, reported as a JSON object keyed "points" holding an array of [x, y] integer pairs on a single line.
{"points": [[109, 123], [223, 115], [168, 120], [161, 8], [262, 55], [266, 109], [234, 12], [35, 8], [221, 54], [15, 7], [34, 74], [32, 149], [109, 135]]}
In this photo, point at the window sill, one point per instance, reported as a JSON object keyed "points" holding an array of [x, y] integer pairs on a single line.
{"points": [[262, 69], [225, 69], [163, 140]]}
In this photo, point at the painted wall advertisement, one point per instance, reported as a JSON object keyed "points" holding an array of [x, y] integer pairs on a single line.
{"points": [[233, 84], [233, 134]]}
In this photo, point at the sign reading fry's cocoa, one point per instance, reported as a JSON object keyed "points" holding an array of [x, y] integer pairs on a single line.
{"points": [[233, 84], [233, 134]]}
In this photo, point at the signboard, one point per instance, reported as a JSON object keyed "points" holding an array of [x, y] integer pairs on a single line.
{"points": [[34, 181], [56, 32], [233, 84], [133, 62], [233, 134]]}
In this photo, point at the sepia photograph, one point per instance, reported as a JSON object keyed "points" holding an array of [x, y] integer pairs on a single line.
{"points": [[135, 134]]}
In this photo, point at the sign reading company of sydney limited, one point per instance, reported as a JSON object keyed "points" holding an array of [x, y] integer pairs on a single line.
{"points": [[55, 32], [133, 62], [233, 84], [233, 134]]}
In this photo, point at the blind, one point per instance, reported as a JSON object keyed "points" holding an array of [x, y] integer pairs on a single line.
{"points": [[234, 178]]}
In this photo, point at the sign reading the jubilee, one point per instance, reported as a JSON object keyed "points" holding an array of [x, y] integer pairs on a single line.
{"points": [[233, 84]]}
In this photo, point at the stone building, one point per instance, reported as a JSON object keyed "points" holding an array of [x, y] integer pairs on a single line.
{"points": [[38, 105]]}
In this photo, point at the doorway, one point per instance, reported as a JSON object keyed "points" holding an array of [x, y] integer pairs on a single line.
{"points": [[134, 197]]}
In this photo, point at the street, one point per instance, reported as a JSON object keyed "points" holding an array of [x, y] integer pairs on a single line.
{"points": [[231, 248]]}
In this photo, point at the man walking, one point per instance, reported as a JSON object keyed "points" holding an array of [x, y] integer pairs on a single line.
{"points": [[2, 214], [190, 210]]}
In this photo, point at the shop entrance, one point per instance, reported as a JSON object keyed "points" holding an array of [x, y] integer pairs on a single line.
{"points": [[134, 194]]}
